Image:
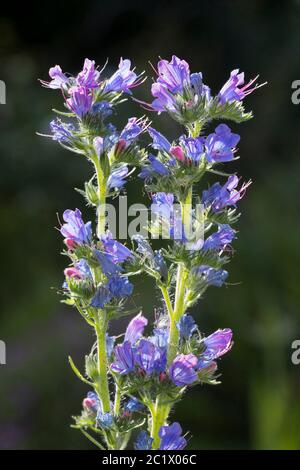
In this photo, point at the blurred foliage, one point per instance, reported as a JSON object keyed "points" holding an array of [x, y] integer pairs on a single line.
{"points": [[257, 405]]}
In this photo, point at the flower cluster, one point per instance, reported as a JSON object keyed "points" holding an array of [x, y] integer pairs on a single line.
{"points": [[137, 378]]}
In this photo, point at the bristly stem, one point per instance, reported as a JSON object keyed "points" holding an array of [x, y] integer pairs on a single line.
{"points": [[103, 390]]}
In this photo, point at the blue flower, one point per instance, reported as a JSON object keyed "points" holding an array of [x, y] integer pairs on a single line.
{"points": [[132, 130], [159, 265], [186, 326], [102, 109], [212, 276], [119, 251], [89, 76], [107, 262], [124, 359], [193, 148], [218, 197], [175, 75], [220, 145], [123, 79], [101, 297], [182, 370], [62, 131], [159, 141], [217, 344], [133, 405], [160, 337], [143, 441], [153, 168], [171, 438], [91, 403], [231, 91], [104, 420], [119, 286], [145, 356], [219, 239], [74, 228], [117, 178], [80, 101]]}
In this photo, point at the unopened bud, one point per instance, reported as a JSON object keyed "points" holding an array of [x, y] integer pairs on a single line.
{"points": [[177, 152]]}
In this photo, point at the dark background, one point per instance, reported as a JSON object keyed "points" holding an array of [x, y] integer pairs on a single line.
{"points": [[257, 405]]}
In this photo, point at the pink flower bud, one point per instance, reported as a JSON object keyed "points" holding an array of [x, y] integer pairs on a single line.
{"points": [[177, 152], [72, 272], [71, 245], [162, 376], [120, 146]]}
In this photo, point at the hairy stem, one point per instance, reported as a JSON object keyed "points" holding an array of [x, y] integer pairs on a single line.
{"points": [[103, 390], [160, 414]]}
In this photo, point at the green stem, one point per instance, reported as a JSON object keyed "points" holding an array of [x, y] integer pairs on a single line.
{"points": [[160, 415], [101, 181], [117, 399], [103, 390]]}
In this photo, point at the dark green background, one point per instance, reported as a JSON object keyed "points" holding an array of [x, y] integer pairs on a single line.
{"points": [[257, 405]]}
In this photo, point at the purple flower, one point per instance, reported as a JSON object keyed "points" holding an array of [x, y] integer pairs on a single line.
{"points": [[220, 145], [159, 264], [133, 405], [231, 91], [218, 197], [193, 148], [107, 262], [135, 328], [164, 100], [182, 370], [186, 326], [132, 130], [62, 131], [219, 239], [124, 359], [175, 75], [171, 438], [143, 441], [75, 229], [212, 276], [117, 178], [217, 344], [159, 141], [153, 168], [198, 86], [119, 251], [123, 79], [145, 356], [160, 337], [119, 286], [84, 269], [59, 79], [89, 76], [80, 101], [103, 144], [101, 297]]}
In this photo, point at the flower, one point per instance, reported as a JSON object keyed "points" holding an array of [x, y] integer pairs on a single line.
{"points": [[175, 75], [135, 328], [91, 403], [217, 344], [116, 179], [133, 129], [193, 148], [220, 145], [164, 100], [123, 79], [218, 197], [231, 91], [103, 109], [133, 405], [107, 262], [104, 420], [153, 168], [182, 370], [124, 359], [212, 276], [171, 438], [101, 297], [119, 251], [62, 131], [159, 141], [145, 356], [159, 264], [59, 79], [143, 441], [74, 228], [80, 101], [219, 239], [186, 326], [89, 76], [119, 286]]}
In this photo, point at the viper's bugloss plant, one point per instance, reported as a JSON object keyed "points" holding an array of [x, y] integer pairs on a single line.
{"points": [[135, 381]]}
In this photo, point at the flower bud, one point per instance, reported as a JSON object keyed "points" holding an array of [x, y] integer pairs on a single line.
{"points": [[177, 152], [70, 244], [120, 146], [72, 272]]}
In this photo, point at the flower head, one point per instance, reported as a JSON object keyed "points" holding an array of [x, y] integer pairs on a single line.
{"points": [[235, 90], [74, 228], [218, 197], [217, 344], [58, 78], [124, 359], [182, 370], [89, 76], [186, 326], [119, 286], [80, 101], [62, 131], [221, 144], [219, 239], [117, 178], [119, 251], [171, 438], [135, 328], [143, 441], [133, 405], [211, 276], [123, 79]]}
